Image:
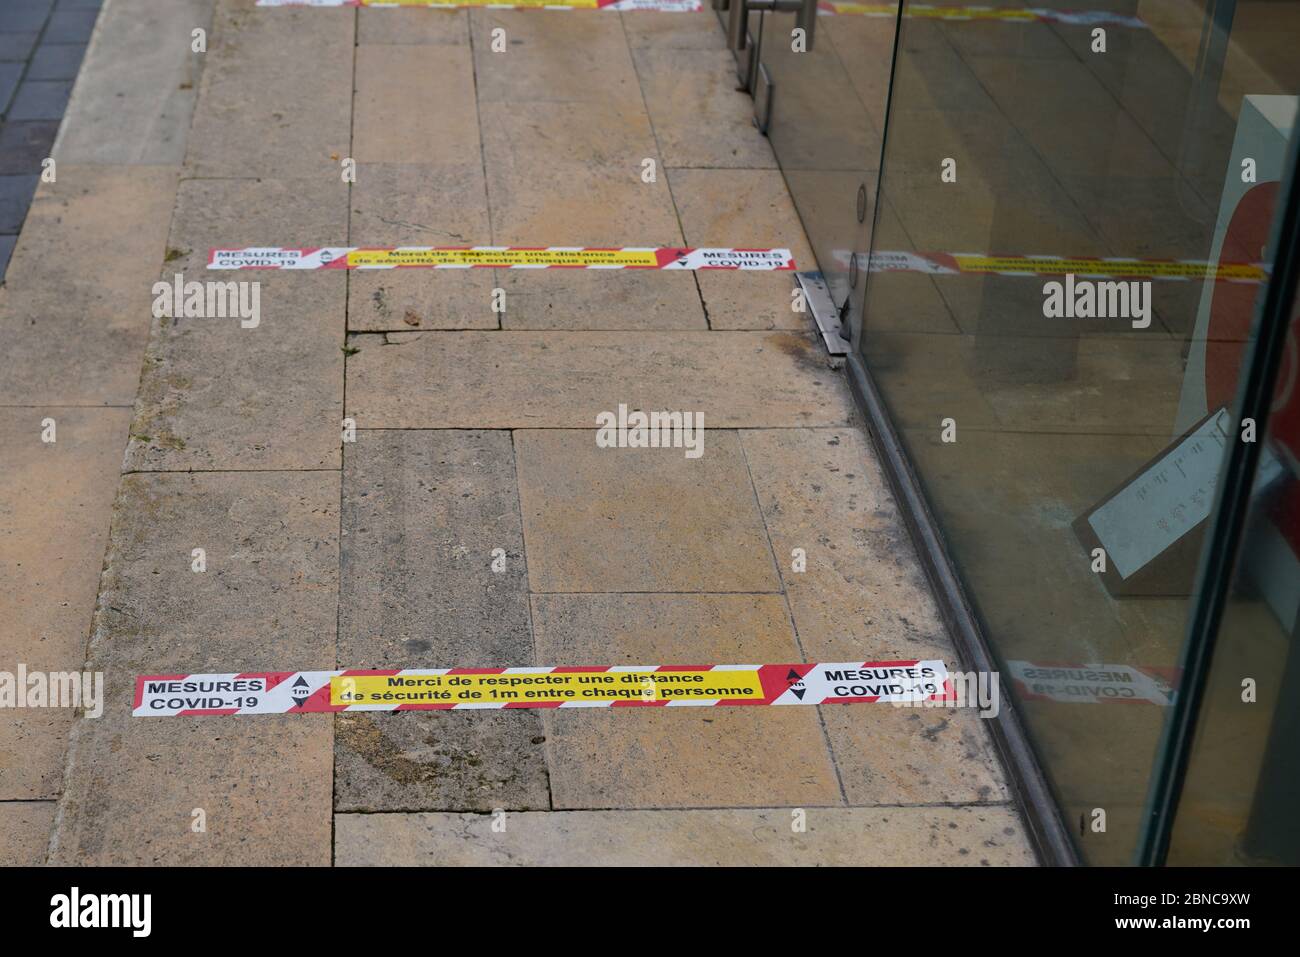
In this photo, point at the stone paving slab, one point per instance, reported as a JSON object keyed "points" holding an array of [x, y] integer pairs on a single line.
{"points": [[865, 597], [10, 74], [55, 502], [921, 836], [563, 152], [564, 379], [421, 27], [444, 760], [569, 174], [385, 127], [640, 520], [282, 78], [70, 26], [25, 17], [600, 300], [214, 395], [56, 61], [135, 101], [888, 755], [748, 209], [74, 311], [423, 512], [17, 45], [420, 205], [40, 100], [678, 757], [700, 117], [578, 57], [24, 145], [670, 30], [24, 832], [268, 600], [864, 593]]}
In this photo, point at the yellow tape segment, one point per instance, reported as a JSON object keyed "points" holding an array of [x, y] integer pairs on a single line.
{"points": [[390, 690], [1094, 267]]}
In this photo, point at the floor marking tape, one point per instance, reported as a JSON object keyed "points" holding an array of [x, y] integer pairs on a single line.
{"points": [[445, 689], [825, 8], [950, 264], [497, 257]]}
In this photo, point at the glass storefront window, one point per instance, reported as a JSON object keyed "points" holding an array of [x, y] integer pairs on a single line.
{"points": [[1068, 252]]}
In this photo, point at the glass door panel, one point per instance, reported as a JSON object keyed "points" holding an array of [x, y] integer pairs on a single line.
{"points": [[1069, 248]]}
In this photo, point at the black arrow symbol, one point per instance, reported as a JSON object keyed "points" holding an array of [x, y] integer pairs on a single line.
{"points": [[793, 676], [299, 696], [798, 692]]}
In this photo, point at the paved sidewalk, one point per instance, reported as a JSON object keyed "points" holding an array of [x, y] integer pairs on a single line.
{"points": [[74, 320], [41, 46], [475, 433]]}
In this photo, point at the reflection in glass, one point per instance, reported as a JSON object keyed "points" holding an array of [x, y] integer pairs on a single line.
{"points": [[1089, 428]]}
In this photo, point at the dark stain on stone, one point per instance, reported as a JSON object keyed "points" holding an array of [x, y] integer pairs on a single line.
{"points": [[932, 733], [362, 736], [800, 349]]}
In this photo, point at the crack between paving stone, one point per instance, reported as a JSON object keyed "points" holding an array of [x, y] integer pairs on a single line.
{"points": [[343, 451], [681, 229], [482, 153], [532, 628], [789, 612]]}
